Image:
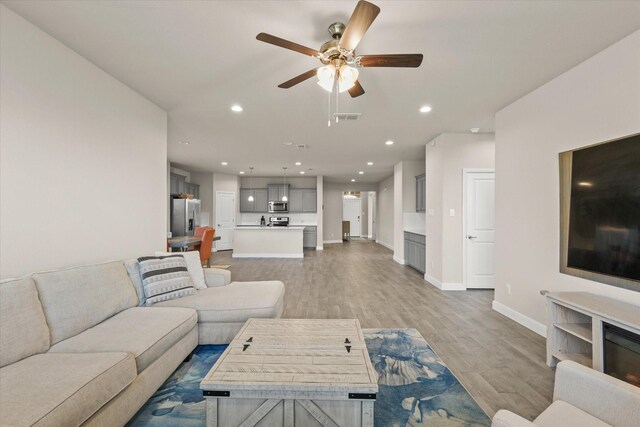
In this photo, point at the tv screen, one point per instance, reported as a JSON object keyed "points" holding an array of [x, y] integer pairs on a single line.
{"points": [[604, 215]]}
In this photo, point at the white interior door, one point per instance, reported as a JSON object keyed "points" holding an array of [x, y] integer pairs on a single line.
{"points": [[351, 212], [480, 229], [372, 215], [225, 219]]}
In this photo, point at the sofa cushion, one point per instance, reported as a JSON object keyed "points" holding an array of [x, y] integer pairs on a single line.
{"points": [[235, 302], [146, 332], [165, 278], [61, 389], [23, 328], [78, 298], [194, 266], [133, 269], [561, 413]]}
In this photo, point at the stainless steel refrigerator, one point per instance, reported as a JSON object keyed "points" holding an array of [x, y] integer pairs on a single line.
{"points": [[185, 216]]}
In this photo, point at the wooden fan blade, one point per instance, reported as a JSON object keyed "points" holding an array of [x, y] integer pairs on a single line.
{"points": [[356, 90], [400, 60], [298, 79], [277, 41], [363, 16]]}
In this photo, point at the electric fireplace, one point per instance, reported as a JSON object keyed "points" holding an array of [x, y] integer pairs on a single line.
{"points": [[621, 354]]}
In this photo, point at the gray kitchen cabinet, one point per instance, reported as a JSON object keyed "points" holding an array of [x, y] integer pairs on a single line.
{"points": [[421, 193], [245, 204], [277, 192], [177, 184], [302, 200], [309, 200], [260, 200], [415, 251], [295, 199], [310, 237]]}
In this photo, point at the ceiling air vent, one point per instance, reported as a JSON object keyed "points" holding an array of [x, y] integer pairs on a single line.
{"points": [[347, 116], [302, 146]]}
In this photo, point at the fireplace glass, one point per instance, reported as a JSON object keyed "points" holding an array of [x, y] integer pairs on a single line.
{"points": [[622, 354]]}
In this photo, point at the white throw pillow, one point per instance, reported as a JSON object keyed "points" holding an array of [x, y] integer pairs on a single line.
{"points": [[194, 265]]}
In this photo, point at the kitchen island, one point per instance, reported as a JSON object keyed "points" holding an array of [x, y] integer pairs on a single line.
{"points": [[268, 242]]}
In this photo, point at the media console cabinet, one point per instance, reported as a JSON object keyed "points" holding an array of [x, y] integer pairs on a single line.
{"points": [[576, 323]]}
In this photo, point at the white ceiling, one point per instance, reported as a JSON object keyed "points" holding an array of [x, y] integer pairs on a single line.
{"points": [[197, 58]]}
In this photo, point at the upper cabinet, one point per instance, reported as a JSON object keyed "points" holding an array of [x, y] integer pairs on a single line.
{"points": [[178, 185], [421, 193], [277, 192], [260, 200], [302, 200]]}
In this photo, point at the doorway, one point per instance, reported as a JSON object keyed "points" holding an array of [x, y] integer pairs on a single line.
{"points": [[479, 228], [351, 211], [225, 219]]}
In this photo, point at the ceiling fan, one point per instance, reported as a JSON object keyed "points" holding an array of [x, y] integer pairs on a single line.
{"points": [[338, 55]]}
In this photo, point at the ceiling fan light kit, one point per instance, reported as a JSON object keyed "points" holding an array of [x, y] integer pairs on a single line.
{"points": [[338, 57]]}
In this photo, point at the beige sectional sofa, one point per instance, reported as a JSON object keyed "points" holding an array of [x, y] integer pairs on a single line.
{"points": [[78, 348]]}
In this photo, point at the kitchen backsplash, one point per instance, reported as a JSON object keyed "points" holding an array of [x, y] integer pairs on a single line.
{"points": [[294, 218]]}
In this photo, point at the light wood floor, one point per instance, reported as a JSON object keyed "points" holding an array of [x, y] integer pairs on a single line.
{"points": [[501, 363]]}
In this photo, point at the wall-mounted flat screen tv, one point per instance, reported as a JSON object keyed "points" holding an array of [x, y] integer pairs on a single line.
{"points": [[600, 212]]}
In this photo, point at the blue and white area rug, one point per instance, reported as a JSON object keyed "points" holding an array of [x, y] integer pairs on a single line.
{"points": [[415, 387]]}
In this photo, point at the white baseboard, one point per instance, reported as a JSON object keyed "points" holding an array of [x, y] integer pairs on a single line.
{"points": [[319, 248], [384, 244], [331, 241], [444, 286], [520, 318], [398, 260], [234, 255]]}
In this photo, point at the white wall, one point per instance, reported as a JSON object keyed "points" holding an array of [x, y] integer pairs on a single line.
{"points": [[596, 101], [385, 208], [83, 171], [445, 162]]}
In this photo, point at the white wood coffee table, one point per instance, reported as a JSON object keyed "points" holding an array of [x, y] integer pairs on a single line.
{"points": [[291, 372]]}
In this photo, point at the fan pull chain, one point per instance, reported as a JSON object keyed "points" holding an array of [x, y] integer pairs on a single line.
{"points": [[337, 94], [329, 111]]}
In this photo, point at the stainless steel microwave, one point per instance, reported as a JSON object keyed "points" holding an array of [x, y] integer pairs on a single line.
{"points": [[278, 207]]}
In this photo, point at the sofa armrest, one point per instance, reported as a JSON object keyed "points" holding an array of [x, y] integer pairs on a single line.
{"points": [[216, 277], [613, 401], [504, 418]]}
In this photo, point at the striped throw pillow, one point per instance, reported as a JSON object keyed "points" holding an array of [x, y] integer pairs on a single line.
{"points": [[165, 278]]}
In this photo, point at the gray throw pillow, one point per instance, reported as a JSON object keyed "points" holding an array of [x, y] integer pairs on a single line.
{"points": [[165, 278]]}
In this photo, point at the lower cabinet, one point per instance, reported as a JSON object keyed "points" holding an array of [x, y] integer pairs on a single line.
{"points": [[415, 251], [310, 237]]}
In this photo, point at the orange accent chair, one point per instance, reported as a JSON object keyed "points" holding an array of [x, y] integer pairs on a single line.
{"points": [[206, 245]]}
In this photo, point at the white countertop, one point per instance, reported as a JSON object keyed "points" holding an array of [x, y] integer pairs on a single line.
{"points": [[292, 224], [265, 228], [416, 231]]}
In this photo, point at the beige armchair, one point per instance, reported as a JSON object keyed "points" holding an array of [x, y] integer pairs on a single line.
{"points": [[583, 397]]}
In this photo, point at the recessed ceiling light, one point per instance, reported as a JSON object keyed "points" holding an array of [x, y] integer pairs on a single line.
{"points": [[236, 108], [425, 109], [585, 184], [389, 142], [183, 142], [301, 172], [474, 130], [288, 144], [353, 180], [224, 163], [241, 172], [361, 172], [369, 163], [298, 163]]}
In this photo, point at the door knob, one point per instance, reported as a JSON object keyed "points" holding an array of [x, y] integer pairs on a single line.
{"points": [[472, 237]]}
